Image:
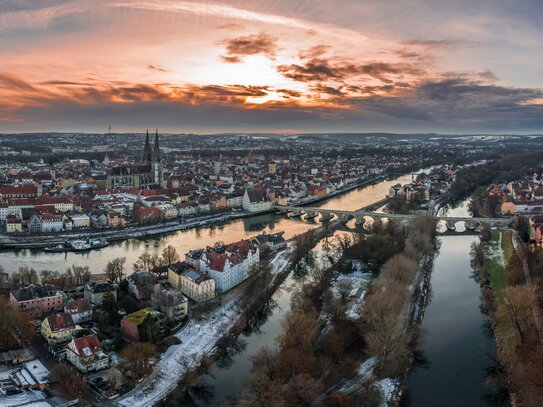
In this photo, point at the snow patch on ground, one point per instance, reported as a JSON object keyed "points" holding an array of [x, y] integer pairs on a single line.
{"points": [[198, 339], [388, 388], [365, 371], [496, 250], [356, 279]]}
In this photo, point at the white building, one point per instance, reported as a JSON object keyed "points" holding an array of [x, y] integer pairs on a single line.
{"points": [[230, 265], [86, 354], [168, 211], [3, 211], [80, 310], [255, 200], [235, 201], [186, 209], [45, 223]]}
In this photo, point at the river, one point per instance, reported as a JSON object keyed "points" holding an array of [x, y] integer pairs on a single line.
{"points": [[227, 380], [187, 240], [455, 336]]}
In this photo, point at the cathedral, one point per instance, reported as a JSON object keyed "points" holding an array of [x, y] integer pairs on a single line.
{"points": [[145, 174]]}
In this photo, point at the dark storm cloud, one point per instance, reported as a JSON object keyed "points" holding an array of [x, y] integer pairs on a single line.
{"points": [[314, 52], [321, 69], [237, 48], [467, 100], [460, 101]]}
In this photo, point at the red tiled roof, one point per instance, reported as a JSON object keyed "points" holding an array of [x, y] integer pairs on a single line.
{"points": [[25, 189], [59, 322], [52, 200], [90, 341], [78, 306]]}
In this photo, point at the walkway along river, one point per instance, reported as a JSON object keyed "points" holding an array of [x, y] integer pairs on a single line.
{"points": [[455, 338], [187, 240]]}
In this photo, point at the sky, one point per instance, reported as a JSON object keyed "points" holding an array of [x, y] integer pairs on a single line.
{"points": [[281, 66]]}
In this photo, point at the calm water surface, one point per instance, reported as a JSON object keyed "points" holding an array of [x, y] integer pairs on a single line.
{"points": [[455, 336], [187, 240]]}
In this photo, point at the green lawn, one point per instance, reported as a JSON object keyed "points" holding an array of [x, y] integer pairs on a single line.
{"points": [[498, 276], [496, 270]]}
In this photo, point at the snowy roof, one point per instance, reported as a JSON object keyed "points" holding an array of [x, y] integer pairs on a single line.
{"points": [[38, 371]]}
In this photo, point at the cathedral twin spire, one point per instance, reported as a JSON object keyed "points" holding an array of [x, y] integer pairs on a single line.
{"points": [[150, 156]]}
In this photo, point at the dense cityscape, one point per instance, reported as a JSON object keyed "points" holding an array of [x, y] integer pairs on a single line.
{"points": [[226, 203], [85, 334]]}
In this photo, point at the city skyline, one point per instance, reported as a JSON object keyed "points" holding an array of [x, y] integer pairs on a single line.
{"points": [[246, 66]]}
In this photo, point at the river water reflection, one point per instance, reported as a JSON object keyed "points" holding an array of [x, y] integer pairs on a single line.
{"points": [[455, 334], [187, 240]]}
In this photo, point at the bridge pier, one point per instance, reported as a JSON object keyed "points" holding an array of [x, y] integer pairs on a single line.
{"points": [[326, 217], [327, 214]]}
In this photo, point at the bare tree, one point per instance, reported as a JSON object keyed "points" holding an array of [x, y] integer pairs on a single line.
{"points": [[517, 308], [169, 256], [13, 325], [145, 262], [400, 268], [137, 358], [386, 332], [79, 274], [115, 269], [45, 276], [24, 276], [69, 379]]}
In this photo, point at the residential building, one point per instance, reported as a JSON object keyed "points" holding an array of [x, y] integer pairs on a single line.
{"points": [[95, 292], [191, 281], [273, 241], [37, 300], [130, 324], [145, 215], [14, 224], [46, 223], [57, 328], [231, 264], [173, 305], [141, 283], [86, 354], [256, 200], [80, 310]]}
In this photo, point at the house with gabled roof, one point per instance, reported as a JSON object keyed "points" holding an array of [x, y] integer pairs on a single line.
{"points": [[86, 354], [58, 328]]}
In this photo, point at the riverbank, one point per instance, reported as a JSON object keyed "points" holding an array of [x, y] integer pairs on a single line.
{"points": [[38, 241], [503, 275], [198, 341], [391, 346]]}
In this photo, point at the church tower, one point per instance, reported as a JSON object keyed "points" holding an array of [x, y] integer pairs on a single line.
{"points": [[157, 162], [147, 153]]}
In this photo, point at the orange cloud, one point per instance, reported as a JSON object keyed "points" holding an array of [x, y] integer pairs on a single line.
{"points": [[237, 48]]}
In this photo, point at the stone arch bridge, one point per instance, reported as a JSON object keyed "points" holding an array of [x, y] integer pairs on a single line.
{"points": [[362, 215]]}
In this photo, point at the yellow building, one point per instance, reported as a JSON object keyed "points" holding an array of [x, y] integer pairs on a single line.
{"points": [[57, 328], [193, 283], [13, 224]]}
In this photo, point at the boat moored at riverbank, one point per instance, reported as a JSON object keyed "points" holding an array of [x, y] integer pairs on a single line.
{"points": [[78, 246]]}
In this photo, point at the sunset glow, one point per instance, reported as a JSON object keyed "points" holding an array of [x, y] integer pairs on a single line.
{"points": [[307, 66]]}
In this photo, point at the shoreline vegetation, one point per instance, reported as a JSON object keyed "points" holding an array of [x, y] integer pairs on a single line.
{"points": [[323, 350], [512, 302]]}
